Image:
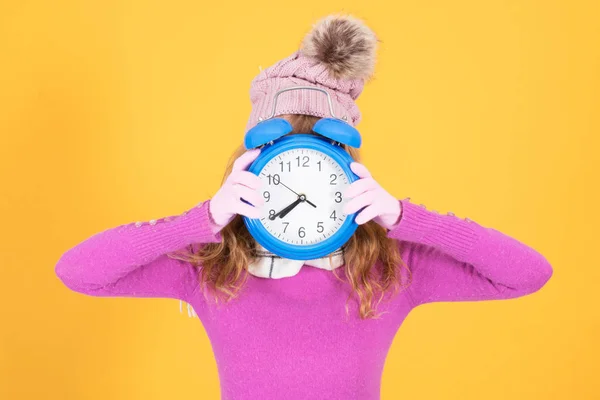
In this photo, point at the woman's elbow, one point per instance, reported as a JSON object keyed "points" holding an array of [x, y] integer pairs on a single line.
{"points": [[67, 273], [540, 274]]}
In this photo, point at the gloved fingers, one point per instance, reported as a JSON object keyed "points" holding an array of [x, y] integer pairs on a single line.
{"points": [[360, 170], [244, 178], [360, 186], [241, 208], [244, 161], [248, 194], [367, 214], [360, 201]]}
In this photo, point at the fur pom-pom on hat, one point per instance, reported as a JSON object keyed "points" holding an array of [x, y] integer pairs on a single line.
{"points": [[344, 44], [337, 55]]}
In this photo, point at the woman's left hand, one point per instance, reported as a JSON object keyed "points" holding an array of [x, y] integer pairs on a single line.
{"points": [[378, 204]]}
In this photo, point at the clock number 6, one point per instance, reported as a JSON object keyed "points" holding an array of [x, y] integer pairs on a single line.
{"points": [[301, 232]]}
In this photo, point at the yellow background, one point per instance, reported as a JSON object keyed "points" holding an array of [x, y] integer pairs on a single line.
{"points": [[117, 111]]}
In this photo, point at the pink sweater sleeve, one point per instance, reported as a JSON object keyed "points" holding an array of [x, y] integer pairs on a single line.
{"points": [[459, 260], [130, 260]]}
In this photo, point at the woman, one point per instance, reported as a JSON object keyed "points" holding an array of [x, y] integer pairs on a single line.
{"points": [[319, 329]]}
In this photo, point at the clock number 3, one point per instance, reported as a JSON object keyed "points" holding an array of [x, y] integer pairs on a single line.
{"points": [[338, 197]]}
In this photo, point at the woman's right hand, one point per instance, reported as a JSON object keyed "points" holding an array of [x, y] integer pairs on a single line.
{"points": [[227, 202]]}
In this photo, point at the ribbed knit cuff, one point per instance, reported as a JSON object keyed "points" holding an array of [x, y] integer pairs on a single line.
{"points": [[192, 226], [198, 224], [449, 233]]}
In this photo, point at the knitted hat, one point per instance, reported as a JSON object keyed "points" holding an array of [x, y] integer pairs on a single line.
{"points": [[337, 55]]}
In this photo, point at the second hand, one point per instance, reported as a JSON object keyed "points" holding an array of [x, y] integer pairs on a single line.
{"points": [[292, 190]]}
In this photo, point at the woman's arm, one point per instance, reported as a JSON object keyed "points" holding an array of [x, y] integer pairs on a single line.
{"points": [[130, 260], [459, 260]]}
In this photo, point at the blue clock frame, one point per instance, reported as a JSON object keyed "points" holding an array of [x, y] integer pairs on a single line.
{"points": [[327, 246]]}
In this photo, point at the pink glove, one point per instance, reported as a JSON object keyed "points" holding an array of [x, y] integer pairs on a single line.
{"points": [[226, 203], [378, 204]]}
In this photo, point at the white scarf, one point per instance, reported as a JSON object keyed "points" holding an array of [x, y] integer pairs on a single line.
{"points": [[269, 265]]}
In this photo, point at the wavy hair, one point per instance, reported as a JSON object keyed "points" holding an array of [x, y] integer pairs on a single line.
{"points": [[222, 267]]}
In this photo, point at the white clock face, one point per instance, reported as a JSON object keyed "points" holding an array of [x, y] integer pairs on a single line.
{"points": [[303, 192]]}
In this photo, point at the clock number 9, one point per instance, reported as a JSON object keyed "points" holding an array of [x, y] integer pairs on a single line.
{"points": [[267, 196]]}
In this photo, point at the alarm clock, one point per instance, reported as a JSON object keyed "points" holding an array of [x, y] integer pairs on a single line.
{"points": [[303, 176]]}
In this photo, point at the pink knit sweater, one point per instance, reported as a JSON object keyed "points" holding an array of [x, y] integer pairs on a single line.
{"points": [[291, 338]]}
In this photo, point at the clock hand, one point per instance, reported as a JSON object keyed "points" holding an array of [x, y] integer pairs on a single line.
{"points": [[302, 199], [286, 209], [285, 212], [290, 189], [293, 191]]}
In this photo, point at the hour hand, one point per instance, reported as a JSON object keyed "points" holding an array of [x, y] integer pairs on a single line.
{"points": [[289, 208], [286, 210]]}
